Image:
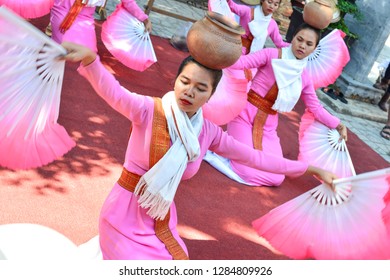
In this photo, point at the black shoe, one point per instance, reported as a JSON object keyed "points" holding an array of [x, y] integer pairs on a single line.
{"points": [[329, 92], [341, 97]]}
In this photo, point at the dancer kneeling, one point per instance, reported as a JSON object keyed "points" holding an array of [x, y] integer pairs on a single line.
{"points": [[280, 81]]}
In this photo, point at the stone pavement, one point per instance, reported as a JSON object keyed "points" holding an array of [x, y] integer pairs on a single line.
{"points": [[364, 119]]}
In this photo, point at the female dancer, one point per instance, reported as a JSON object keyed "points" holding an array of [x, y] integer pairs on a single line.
{"points": [[73, 20], [276, 87], [168, 141], [258, 24]]}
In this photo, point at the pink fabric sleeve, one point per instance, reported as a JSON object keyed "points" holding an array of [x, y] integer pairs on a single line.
{"points": [[311, 101], [240, 10], [228, 147], [273, 31], [251, 60], [132, 7], [129, 104], [244, 12]]}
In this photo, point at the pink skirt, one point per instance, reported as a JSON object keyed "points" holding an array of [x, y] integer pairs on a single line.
{"points": [[241, 129], [81, 32], [127, 232]]}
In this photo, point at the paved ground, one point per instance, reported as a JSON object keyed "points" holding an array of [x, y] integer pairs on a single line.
{"points": [[364, 119]]}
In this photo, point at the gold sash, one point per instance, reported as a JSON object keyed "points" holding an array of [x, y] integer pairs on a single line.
{"points": [[247, 42], [158, 148], [264, 106], [74, 11]]}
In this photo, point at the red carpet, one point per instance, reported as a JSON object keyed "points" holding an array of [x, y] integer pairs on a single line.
{"points": [[215, 213]]}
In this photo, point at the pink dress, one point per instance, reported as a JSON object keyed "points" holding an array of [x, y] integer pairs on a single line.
{"points": [[241, 127], [245, 14], [82, 30], [125, 230]]}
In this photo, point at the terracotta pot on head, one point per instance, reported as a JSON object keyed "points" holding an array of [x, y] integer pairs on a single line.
{"points": [[215, 41], [318, 13]]}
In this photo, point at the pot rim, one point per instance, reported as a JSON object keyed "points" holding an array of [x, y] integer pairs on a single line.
{"points": [[324, 2], [225, 22]]}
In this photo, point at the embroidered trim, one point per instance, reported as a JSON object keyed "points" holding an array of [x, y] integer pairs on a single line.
{"points": [[264, 106], [264, 103], [74, 11], [158, 147]]}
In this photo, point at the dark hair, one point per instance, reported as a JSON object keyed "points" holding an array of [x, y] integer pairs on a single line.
{"points": [[304, 26], [216, 74]]}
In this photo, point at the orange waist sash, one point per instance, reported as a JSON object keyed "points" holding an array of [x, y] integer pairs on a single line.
{"points": [[128, 181], [264, 103], [264, 106]]}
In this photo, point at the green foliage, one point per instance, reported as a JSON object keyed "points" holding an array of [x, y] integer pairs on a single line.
{"points": [[343, 27], [346, 7]]}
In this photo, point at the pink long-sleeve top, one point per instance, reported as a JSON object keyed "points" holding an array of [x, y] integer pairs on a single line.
{"points": [[132, 7], [265, 78], [244, 12], [139, 110], [82, 30], [64, 6]]}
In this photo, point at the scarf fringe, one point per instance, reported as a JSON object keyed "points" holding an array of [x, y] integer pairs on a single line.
{"points": [[157, 187], [157, 206]]}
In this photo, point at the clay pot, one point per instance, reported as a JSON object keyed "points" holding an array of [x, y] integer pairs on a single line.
{"points": [[318, 13], [215, 41]]}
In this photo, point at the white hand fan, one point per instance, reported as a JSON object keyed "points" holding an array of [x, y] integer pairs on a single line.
{"points": [[320, 146], [327, 61], [23, 241], [29, 8], [30, 89], [322, 224], [126, 39], [386, 211], [228, 100], [221, 7]]}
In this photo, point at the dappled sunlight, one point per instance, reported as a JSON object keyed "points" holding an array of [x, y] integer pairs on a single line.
{"points": [[43, 190], [191, 233], [247, 233]]}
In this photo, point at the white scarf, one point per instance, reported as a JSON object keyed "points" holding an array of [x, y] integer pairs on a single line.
{"points": [[259, 28], [288, 75], [157, 187], [94, 3]]}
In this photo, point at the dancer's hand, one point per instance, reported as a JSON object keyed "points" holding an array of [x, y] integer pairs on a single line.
{"points": [[342, 129], [148, 25], [322, 175], [76, 53]]}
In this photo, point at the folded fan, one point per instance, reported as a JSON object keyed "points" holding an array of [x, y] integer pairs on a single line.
{"points": [[126, 39], [30, 87], [322, 224]]}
